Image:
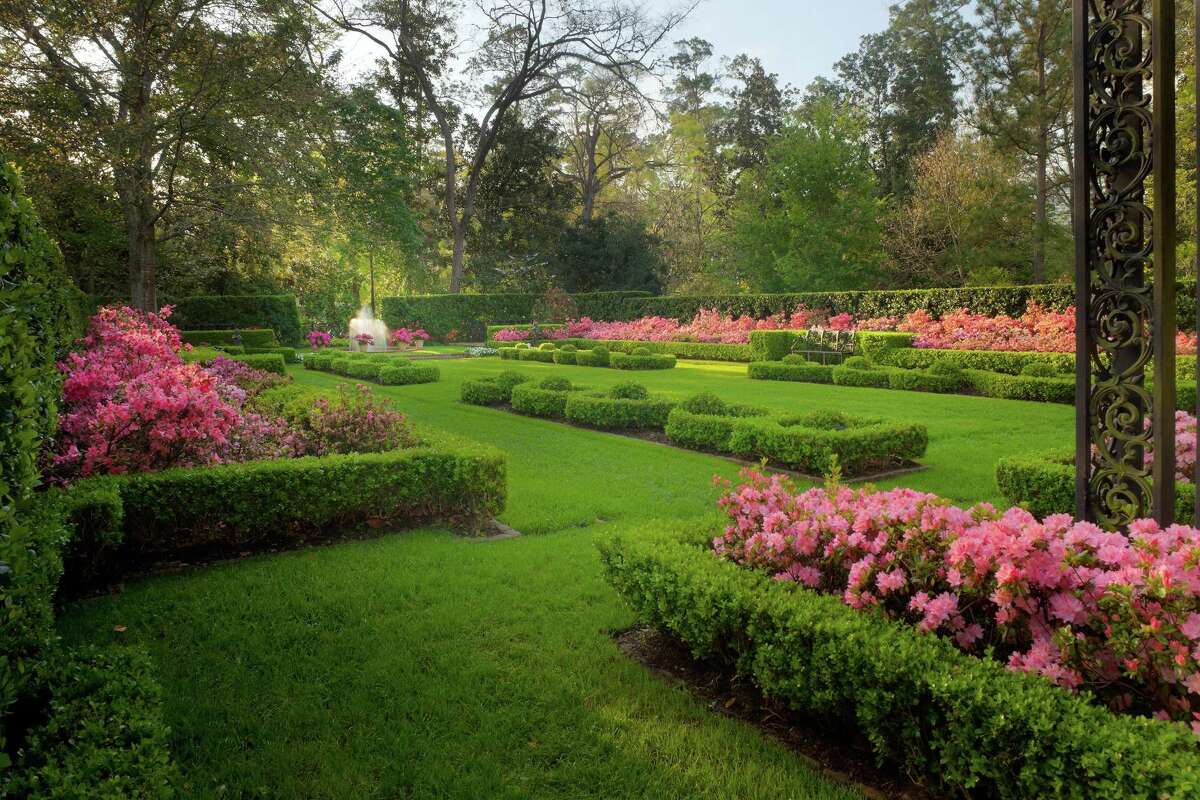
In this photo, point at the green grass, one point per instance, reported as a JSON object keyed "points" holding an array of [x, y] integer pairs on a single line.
{"points": [[422, 665]]}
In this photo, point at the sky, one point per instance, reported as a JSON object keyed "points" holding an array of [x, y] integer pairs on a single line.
{"points": [[797, 39]]}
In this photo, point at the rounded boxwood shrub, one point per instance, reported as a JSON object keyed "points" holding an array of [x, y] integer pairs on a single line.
{"points": [[596, 357], [548, 346], [555, 384], [406, 375], [947, 370], [705, 403], [629, 390], [564, 356], [640, 351], [794, 359], [856, 362], [568, 348], [363, 370], [617, 413], [634, 361]]}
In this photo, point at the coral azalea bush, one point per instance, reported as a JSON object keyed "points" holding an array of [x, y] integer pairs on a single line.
{"points": [[1112, 613]]}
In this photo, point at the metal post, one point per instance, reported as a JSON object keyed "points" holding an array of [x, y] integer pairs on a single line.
{"points": [[1121, 143]]}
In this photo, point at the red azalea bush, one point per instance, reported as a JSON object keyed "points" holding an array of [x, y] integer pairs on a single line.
{"points": [[1089, 609], [132, 404]]}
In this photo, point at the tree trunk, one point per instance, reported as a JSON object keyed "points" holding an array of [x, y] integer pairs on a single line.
{"points": [[456, 265], [1043, 155], [143, 267]]}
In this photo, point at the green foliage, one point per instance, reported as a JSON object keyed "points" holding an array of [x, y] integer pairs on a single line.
{"points": [[874, 345], [103, 736], [947, 370], [808, 217], [956, 719], [641, 350], [547, 346], [628, 390], [288, 353], [298, 500], [779, 371], [917, 381], [613, 251], [406, 375], [463, 317], [596, 357], [856, 362], [563, 356], [537, 401], [849, 376], [382, 368], [1021, 387], [1040, 369], [708, 351], [259, 338], [363, 370], [278, 312], [617, 412], [268, 362], [544, 356], [706, 422], [990, 360], [555, 384], [620, 360], [492, 391], [771, 345], [794, 359]]}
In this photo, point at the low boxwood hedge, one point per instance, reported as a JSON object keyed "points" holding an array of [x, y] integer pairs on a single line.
{"points": [[1021, 387], [619, 360], [604, 412], [492, 391], [246, 337], [269, 362], [540, 400], [915, 380], [848, 376], [363, 370], [779, 371], [965, 724], [536, 354], [598, 356], [565, 356], [809, 442], [408, 374], [288, 353], [291, 501], [1045, 484], [703, 351]]}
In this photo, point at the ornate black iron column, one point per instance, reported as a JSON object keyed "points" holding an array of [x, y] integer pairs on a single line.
{"points": [[1124, 259]]}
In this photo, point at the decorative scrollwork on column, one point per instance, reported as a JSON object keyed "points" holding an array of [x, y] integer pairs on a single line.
{"points": [[1121, 323]]}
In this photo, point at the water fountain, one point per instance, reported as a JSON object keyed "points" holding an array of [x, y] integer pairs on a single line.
{"points": [[365, 322]]}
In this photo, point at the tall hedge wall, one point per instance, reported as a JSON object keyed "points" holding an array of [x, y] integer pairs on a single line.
{"points": [[467, 315], [278, 312]]}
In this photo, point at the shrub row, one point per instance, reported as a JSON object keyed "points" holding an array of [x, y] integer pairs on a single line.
{"points": [[464, 317], [1045, 484], [279, 312], [54, 740], [547, 398], [492, 391], [813, 442], [641, 361], [381, 368], [263, 338], [268, 362], [169, 514], [780, 371], [288, 353], [702, 351], [618, 413], [966, 724]]}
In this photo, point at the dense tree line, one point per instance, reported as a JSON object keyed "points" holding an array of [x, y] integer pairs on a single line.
{"points": [[186, 146]]}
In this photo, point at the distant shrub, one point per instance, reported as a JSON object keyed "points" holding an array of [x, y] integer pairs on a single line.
{"points": [[640, 351], [555, 384], [628, 390], [1041, 369], [856, 362], [795, 358]]}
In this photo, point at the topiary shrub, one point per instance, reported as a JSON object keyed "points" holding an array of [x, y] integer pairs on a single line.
{"points": [[633, 361], [568, 348], [564, 356], [555, 384], [850, 376], [856, 362], [408, 375], [596, 357], [547, 346], [629, 390], [795, 358], [705, 403], [947, 370], [779, 371], [617, 413], [640, 351]]}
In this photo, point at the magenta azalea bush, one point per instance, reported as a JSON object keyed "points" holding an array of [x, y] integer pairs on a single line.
{"points": [[1115, 614], [354, 422], [319, 339], [1185, 447], [365, 339], [404, 336]]}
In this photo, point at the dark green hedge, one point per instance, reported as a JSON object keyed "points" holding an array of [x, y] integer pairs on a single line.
{"points": [[533, 354], [1010, 363], [615, 413], [491, 391], [103, 736], [701, 351], [298, 500], [965, 724], [278, 312], [288, 353], [466, 316], [846, 376], [268, 362], [1021, 387], [628, 361], [381, 368], [779, 371], [410, 375], [598, 356], [245, 337], [532, 399], [1045, 484]]}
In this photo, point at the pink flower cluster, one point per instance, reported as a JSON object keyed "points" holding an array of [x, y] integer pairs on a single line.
{"points": [[1185, 447], [404, 336], [132, 404], [1112, 613], [319, 339]]}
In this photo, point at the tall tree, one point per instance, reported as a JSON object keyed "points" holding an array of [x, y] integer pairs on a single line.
{"points": [[906, 80], [1022, 81], [528, 47], [182, 102]]}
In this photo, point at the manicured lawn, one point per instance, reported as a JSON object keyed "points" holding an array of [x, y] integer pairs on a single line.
{"points": [[422, 665]]}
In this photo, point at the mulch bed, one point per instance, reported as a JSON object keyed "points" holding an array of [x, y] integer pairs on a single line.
{"points": [[831, 748]]}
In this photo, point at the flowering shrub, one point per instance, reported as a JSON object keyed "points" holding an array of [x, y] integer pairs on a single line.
{"points": [[239, 375], [355, 422], [1185, 447], [408, 337], [131, 404], [365, 339], [511, 335], [319, 339], [1118, 615]]}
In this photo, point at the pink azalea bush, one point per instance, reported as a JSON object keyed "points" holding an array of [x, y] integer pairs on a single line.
{"points": [[354, 422], [1185, 447], [130, 403], [511, 335], [365, 339], [404, 336], [1115, 614], [319, 339]]}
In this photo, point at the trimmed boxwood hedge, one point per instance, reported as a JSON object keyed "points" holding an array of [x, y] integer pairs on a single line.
{"points": [[269, 362], [168, 514], [779, 371], [565, 356], [364, 370], [807, 442], [262, 338], [288, 353], [535, 354], [608, 413], [966, 724], [467, 315], [619, 360], [539, 401], [278, 312], [598, 356], [1045, 484], [381, 368], [492, 391], [408, 375], [848, 376]]}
